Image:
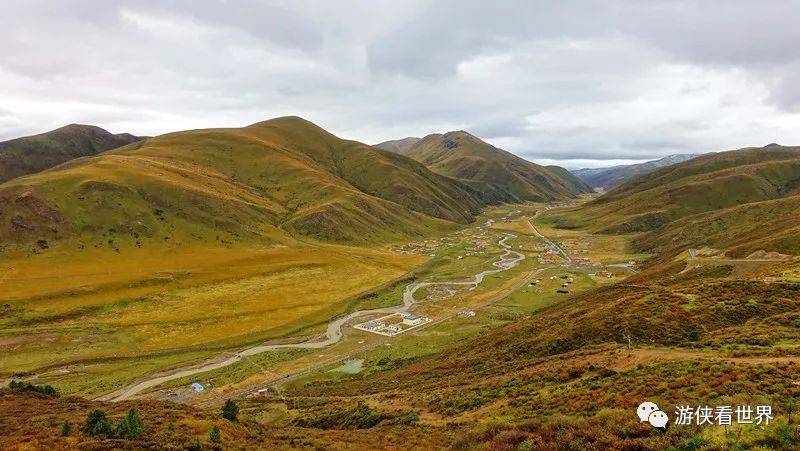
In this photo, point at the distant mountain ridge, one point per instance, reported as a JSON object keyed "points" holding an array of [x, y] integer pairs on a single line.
{"points": [[610, 177], [398, 145], [497, 175], [741, 201], [31, 154]]}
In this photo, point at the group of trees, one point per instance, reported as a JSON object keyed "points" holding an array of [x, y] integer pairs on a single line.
{"points": [[130, 427], [98, 424]]}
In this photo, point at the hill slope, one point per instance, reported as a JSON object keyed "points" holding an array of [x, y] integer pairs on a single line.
{"points": [[741, 200], [608, 178], [398, 145], [36, 153], [285, 174], [571, 180], [498, 175]]}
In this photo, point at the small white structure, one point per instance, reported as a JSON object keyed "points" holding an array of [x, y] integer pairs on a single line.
{"points": [[372, 325], [466, 313], [413, 320], [392, 329]]}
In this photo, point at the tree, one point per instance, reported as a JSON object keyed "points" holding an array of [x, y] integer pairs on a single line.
{"points": [[65, 428], [197, 446], [230, 411], [131, 426], [214, 436], [97, 423]]}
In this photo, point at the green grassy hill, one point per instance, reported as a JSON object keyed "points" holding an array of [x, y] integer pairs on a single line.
{"points": [[496, 174], [36, 153], [741, 200], [572, 181], [284, 174]]}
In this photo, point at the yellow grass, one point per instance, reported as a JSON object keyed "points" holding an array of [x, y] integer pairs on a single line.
{"points": [[517, 225], [95, 304]]}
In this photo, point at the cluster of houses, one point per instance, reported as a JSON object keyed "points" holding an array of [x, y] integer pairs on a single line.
{"points": [[466, 313], [393, 324], [566, 281], [478, 246], [427, 247]]}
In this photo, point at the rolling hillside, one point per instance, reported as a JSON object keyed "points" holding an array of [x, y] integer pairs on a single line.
{"points": [[496, 174], [398, 145], [36, 153], [284, 174], [608, 178], [742, 200]]}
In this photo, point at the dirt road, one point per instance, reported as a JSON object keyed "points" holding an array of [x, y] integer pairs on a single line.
{"points": [[333, 334]]}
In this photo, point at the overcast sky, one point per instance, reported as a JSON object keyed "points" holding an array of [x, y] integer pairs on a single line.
{"points": [[576, 83]]}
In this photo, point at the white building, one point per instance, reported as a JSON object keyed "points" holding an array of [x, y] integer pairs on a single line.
{"points": [[392, 329], [372, 325], [413, 320]]}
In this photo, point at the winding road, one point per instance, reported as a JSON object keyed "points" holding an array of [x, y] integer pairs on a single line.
{"points": [[333, 334]]}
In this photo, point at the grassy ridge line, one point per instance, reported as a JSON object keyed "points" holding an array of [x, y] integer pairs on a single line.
{"points": [[227, 184]]}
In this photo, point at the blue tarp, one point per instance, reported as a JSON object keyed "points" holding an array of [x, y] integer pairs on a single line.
{"points": [[197, 386]]}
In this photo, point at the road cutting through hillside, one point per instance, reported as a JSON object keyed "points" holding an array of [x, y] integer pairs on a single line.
{"points": [[333, 334]]}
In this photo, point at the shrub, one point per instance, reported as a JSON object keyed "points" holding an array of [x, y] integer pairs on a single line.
{"points": [[32, 388], [131, 426], [230, 411], [214, 436], [360, 416], [65, 428], [97, 423]]}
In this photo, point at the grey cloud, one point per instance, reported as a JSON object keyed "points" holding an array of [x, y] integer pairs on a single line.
{"points": [[552, 81]]}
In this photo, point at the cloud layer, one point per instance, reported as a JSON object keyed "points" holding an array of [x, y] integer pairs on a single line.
{"points": [[577, 83]]}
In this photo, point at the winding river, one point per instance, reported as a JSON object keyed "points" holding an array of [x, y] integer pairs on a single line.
{"points": [[333, 334]]}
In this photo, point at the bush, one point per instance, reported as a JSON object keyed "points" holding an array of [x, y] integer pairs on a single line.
{"points": [[230, 411], [214, 436], [65, 428], [360, 416], [131, 426], [97, 423], [32, 388]]}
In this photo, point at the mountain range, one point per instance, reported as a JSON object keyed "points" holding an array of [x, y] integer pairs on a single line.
{"points": [[499, 175], [284, 175], [607, 178]]}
